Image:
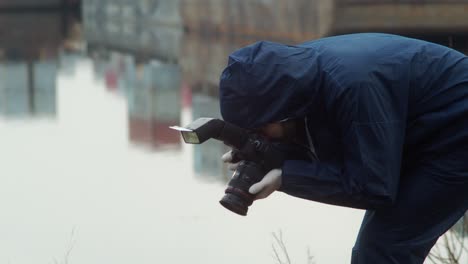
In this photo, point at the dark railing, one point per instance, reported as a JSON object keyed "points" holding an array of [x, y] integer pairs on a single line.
{"points": [[20, 6], [399, 2]]}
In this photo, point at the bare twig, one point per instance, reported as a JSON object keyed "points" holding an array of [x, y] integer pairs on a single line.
{"points": [[280, 252], [451, 247], [279, 241], [278, 258], [310, 258], [71, 244]]}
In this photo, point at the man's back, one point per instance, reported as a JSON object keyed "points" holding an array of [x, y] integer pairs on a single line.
{"points": [[433, 79]]}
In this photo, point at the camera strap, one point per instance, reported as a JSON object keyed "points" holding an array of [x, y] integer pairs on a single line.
{"points": [[309, 139]]}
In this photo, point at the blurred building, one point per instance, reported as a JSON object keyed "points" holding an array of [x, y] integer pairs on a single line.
{"points": [[403, 16], [118, 71], [154, 104], [28, 89], [28, 72], [273, 19], [213, 29], [206, 156], [153, 92], [194, 31], [136, 47], [198, 35], [36, 38], [300, 20], [142, 28], [216, 28], [441, 21], [21, 30], [202, 61]]}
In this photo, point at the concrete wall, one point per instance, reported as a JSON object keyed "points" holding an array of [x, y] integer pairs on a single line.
{"points": [[272, 19], [299, 20], [405, 16]]}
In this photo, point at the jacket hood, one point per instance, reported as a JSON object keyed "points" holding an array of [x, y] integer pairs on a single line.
{"points": [[267, 82]]}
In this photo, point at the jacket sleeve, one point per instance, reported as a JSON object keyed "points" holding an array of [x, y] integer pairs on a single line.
{"points": [[371, 120]]}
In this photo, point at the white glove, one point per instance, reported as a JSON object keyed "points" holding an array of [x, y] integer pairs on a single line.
{"points": [[270, 183], [227, 158], [262, 189]]}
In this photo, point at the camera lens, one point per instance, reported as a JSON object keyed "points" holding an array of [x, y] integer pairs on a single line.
{"points": [[234, 203], [236, 196]]}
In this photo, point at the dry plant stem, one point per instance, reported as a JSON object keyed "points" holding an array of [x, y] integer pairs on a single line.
{"points": [[71, 244], [310, 258], [453, 246], [280, 251], [279, 241]]}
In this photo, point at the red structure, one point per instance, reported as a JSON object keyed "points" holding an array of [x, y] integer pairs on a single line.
{"points": [[154, 105], [153, 133]]}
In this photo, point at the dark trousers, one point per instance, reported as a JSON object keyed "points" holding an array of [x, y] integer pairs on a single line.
{"points": [[432, 197]]}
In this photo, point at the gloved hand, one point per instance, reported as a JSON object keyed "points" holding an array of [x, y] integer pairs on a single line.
{"points": [[228, 158], [262, 189], [270, 183]]}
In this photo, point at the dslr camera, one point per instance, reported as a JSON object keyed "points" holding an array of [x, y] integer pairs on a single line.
{"points": [[256, 156]]}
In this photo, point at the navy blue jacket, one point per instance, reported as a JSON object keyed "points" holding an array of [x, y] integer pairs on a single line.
{"points": [[378, 106]]}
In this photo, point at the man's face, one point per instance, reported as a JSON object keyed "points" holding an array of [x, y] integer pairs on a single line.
{"points": [[273, 130], [292, 136], [279, 130]]}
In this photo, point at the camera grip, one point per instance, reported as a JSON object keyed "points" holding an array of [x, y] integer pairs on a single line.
{"points": [[236, 156]]}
